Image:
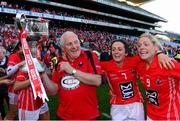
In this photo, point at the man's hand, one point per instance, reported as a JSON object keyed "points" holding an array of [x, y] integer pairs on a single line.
{"points": [[165, 61], [65, 66]]}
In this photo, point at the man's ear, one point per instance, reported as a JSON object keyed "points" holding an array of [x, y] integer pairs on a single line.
{"points": [[63, 53], [62, 48]]}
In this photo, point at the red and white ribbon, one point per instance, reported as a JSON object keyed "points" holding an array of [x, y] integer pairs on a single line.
{"points": [[34, 77]]}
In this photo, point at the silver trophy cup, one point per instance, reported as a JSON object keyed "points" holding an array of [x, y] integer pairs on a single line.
{"points": [[35, 29]]}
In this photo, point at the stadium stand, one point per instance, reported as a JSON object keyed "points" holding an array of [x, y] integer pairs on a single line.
{"points": [[96, 26]]}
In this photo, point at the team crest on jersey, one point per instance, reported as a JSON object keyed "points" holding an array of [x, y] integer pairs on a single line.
{"points": [[133, 71], [69, 82], [158, 81], [80, 64], [126, 90], [152, 97]]}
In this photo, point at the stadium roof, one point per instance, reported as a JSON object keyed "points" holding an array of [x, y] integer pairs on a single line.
{"points": [[125, 5]]}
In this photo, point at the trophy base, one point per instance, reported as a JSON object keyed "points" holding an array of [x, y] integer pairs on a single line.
{"points": [[40, 66]]}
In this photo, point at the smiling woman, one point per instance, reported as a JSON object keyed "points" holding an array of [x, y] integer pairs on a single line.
{"points": [[122, 80], [161, 85], [148, 46]]}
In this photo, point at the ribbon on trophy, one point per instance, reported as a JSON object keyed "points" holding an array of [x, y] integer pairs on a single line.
{"points": [[34, 77]]}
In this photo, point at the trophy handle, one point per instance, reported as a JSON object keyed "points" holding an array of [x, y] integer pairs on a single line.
{"points": [[20, 21]]}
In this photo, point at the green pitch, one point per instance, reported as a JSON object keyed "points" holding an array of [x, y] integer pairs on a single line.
{"points": [[103, 98]]}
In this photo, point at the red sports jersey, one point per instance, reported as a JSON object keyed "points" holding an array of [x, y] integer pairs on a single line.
{"points": [[13, 60], [123, 80], [77, 101], [162, 90], [26, 98]]}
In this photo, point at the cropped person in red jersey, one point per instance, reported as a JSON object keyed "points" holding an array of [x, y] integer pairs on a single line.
{"points": [[162, 86], [14, 63], [30, 108]]}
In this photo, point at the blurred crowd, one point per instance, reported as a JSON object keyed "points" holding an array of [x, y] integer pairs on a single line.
{"points": [[91, 39]]}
